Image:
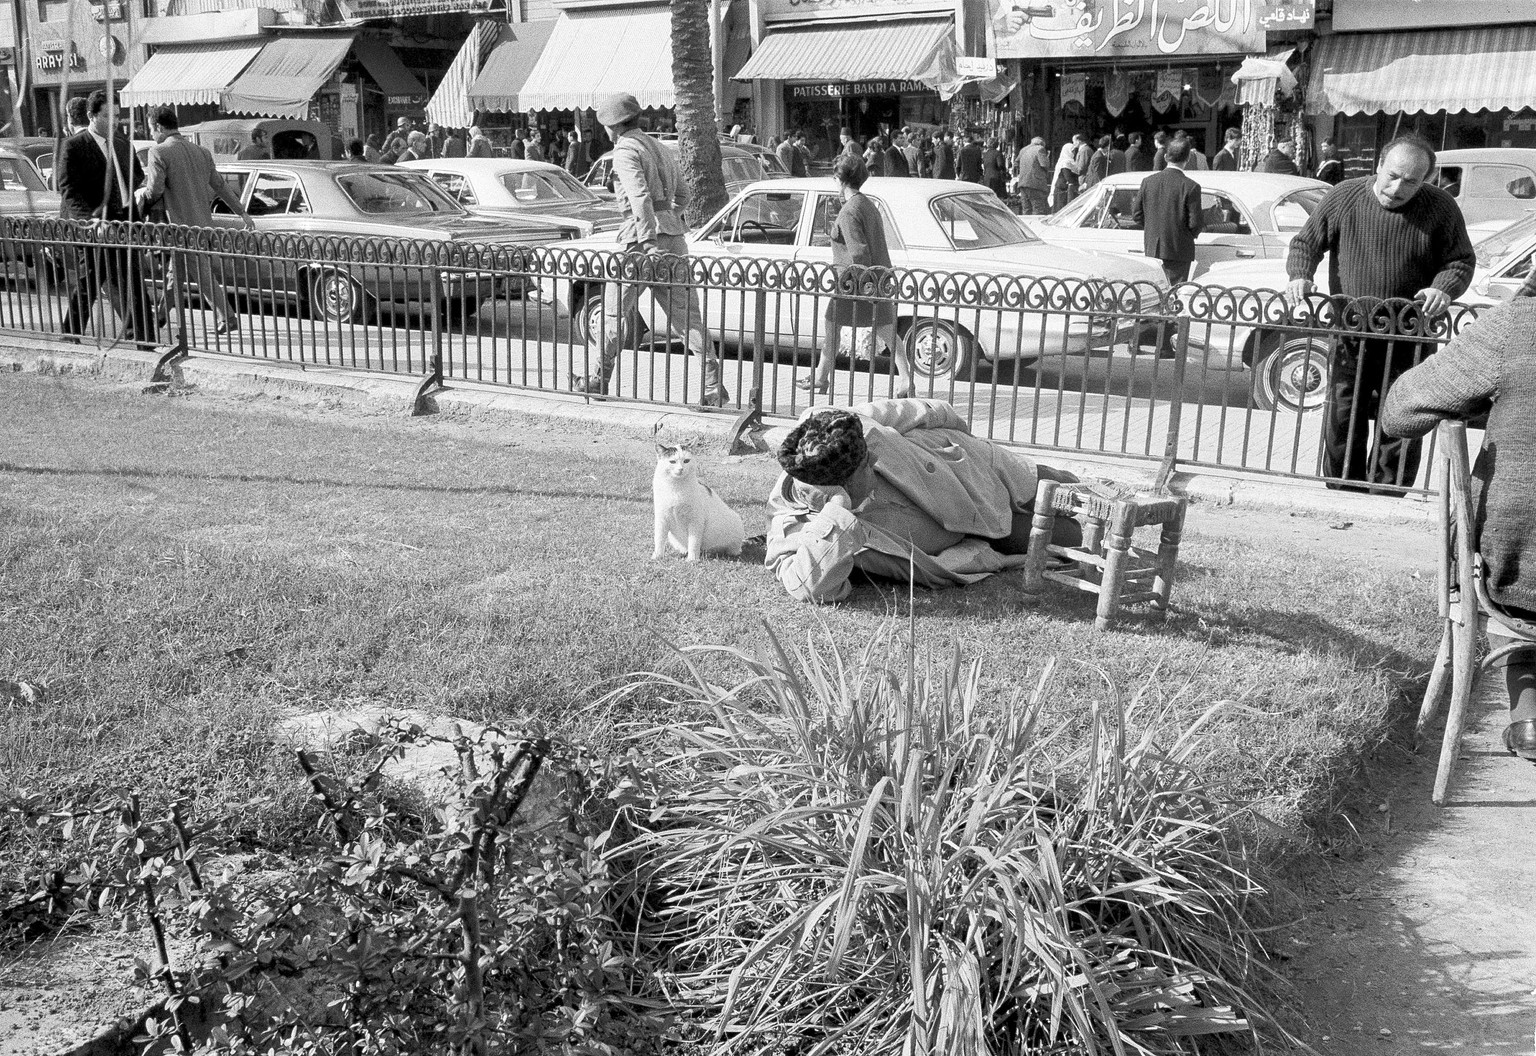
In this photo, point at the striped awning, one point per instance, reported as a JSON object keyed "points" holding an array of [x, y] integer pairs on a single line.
{"points": [[868, 51], [595, 52], [449, 105], [188, 74], [518, 49], [283, 79], [1483, 68]]}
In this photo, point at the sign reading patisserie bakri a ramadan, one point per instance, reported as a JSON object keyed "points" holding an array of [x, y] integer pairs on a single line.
{"points": [[845, 89]]}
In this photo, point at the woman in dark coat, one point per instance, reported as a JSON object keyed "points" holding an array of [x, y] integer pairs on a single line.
{"points": [[858, 242]]}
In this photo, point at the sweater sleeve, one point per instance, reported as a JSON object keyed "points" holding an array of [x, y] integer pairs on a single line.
{"points": [[1455, 275], [1314, 239], [1458, 382]]}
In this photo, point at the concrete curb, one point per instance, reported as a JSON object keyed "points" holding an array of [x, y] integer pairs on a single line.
{"points": [[469, 401]]}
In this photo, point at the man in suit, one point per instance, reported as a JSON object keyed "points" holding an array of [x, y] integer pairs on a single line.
{"points": [[97, 174], [969, 164], [1227, 157], [1167, 209], [182, 179], [1282, 159], [256, 149], [944, 157], [1034, 177]]}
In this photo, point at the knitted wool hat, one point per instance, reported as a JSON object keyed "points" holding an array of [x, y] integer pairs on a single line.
{"points": [[825, 450]]}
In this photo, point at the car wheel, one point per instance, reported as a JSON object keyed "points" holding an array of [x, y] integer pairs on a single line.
{"points": [[336, 297], [940, 349], [1291, 375], [588, 322]]}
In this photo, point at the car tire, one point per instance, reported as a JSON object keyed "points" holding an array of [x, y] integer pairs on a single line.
{"points": [[940, 349], [1291, 374], [587, 322], [336, 297]]}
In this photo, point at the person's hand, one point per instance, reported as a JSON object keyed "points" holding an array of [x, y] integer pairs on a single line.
{"points": [[1297, 292], [1435, 301], [650, 247], [840, 498], [250, 225]]}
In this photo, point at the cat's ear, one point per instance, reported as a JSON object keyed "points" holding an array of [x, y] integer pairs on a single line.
{"points": [[663, 450]]}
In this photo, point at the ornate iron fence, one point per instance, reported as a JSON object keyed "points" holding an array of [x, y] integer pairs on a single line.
{"points": [[1208, 376]]}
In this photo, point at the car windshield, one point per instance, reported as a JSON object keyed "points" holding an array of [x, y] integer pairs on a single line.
{"points": [[19, 175], [978, 221], [396, 194], [1495, 247], [1292, 211], [544, 185]]}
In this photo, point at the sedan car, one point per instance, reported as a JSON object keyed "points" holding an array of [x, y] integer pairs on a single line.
{"points": [[23, 191], [1248, 215], [742, 167], [507, 187], [956, 231], [360, 200]]}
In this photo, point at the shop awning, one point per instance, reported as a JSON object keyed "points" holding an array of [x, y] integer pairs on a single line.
{"points": [[598, 51], [1447, 69], [867, 52], [188, 74], [502, 77], [399, 85], [281, 81]]}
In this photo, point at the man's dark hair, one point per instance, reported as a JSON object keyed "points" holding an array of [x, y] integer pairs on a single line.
{"points": [[355, 148], [850, 169], [1234, 133], [1104, 142], [1177, 150], [1160, 138], [165, 117], [257, 135], [1136, 139], [1413, 142], [96, 102], [74, 111]]}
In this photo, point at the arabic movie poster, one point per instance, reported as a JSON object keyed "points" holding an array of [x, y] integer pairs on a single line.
{"points": [[1092, 29]]}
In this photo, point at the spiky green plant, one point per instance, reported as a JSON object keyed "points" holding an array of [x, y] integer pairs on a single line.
{"points": [[864, 858]]}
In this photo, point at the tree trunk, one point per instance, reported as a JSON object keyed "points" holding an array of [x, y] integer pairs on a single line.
{"points": [[698, 137]]}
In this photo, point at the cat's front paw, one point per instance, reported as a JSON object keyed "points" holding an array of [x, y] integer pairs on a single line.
{"points": [[658, 555]]}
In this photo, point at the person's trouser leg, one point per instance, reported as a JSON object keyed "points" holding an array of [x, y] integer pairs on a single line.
{"points": [[1175, 271], [619, 302], [1395, 460], [130, 295], [1516, 673], [89, 266], [675, 296], [1346, 422]]}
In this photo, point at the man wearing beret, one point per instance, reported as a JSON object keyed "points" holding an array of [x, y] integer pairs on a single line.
{"points": [[898, 488], [652, 189]]}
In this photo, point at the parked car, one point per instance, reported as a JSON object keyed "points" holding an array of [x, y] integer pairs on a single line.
{"points": [[36, 149], [507, 187], [1504, 261], [356, 200], [1489, 183], [935, 225], [742, 167], [24, 193], [288, 140], [1248, 215]]}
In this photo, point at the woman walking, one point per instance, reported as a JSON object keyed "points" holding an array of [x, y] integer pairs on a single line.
{"points": [[858, 242]]}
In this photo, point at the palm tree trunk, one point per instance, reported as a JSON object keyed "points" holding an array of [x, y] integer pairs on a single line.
{"points": [[693, 83]]}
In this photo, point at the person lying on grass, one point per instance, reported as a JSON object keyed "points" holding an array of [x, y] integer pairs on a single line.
{"points": [[898, 488]]}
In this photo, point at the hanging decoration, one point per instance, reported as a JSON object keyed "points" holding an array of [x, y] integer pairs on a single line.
{"points": [[1074, 89], [1170, 85], [1117, 93]]}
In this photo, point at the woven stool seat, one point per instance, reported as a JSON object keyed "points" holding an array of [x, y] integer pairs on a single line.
{"points": [[1106, 563]]}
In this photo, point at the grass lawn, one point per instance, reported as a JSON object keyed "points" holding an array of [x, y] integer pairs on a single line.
{"points": [[183, 571]]}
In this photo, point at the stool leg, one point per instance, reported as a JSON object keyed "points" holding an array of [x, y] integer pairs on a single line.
{"points": [[1093, 543], [1167, 560], [1041, 527], [1116, 554]]}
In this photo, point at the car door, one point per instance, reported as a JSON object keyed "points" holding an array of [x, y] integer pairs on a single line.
{"points": [[821, 221], [1100, 222], [1228, 232], [760, 225], [276, 201], [1496, 191]]}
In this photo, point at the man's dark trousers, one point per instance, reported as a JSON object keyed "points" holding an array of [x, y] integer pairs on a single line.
{"points": [[118, 268], [1353, 446]]}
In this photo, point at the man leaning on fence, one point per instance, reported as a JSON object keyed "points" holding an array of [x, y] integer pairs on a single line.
{"points": [[899, 489], [97, 175], [651, 187], [181, 178], [1386, 236]]}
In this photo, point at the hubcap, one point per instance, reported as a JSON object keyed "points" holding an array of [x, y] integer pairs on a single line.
{"points": [[933, 350], [1300, 379]]}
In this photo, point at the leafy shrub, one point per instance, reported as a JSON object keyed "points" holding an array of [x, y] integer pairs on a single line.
{"points": [[845, 860]]}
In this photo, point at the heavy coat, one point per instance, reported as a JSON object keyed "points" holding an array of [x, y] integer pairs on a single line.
{"points": [[858, 241], [1168, 211], [84, 189], [181, 176]]}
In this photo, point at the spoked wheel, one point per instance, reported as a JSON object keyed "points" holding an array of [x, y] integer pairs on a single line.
{"points": [[940, 349], [336, 297], [1291, 375]]}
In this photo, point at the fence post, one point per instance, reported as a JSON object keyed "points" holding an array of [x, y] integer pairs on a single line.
{"points": [[175, 271], [422, 404], [751, 416], [1176, 408]]}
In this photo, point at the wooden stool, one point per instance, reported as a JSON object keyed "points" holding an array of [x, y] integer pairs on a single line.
{"points": [[1106, 564]]}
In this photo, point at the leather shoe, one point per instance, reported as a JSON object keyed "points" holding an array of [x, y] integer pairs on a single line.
{"points": [[1520, 739]]}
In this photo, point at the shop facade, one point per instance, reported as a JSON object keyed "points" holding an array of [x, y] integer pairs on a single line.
{"points": [[74, 49], [1459, 74]]}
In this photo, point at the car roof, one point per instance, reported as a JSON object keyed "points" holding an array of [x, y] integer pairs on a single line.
{"points": [[1269, 184], [890, 188], [490, 165], [311, 165], [1466, 154]]}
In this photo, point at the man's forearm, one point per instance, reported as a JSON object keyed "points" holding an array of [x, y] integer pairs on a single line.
{"points": [[818, 567]]}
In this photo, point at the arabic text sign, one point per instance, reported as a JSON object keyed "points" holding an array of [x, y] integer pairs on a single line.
{"points": [[1097, 29]]}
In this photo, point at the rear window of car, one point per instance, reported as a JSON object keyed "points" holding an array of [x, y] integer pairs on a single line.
{"points": [[545, 185], [1291, 212], [978, 221], [1497, 246], [395, 194]]}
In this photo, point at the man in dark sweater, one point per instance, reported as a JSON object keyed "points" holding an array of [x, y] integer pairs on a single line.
{"points": [[1490, 367], [1387, 236], [968, 166], [1136, 158]]}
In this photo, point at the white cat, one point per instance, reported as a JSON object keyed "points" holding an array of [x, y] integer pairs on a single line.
{"points": [[689, 514]]}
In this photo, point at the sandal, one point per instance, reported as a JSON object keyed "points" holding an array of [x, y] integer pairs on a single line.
{"points": [[1520, 739], [809, 384]]}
